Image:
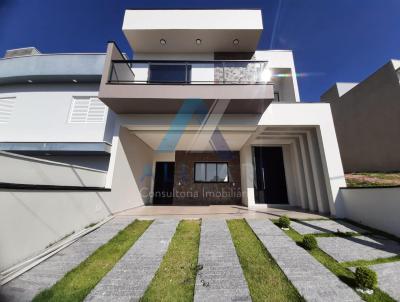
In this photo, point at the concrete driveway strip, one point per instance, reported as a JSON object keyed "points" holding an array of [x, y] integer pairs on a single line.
{"points": [[46, 274], [311, 279], [130, 277], [221, 277]]}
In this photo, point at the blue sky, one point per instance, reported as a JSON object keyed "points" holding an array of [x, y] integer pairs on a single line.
{"points": [[332, 40]]}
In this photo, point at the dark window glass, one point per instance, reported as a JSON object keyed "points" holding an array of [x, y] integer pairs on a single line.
{"points": [[211, 172], [169, 73], [276, 97]]}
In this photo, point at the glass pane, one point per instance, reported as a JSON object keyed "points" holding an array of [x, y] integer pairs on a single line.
{"points": [[222, 172], [169, 73], [200, 172], [211, 174]]}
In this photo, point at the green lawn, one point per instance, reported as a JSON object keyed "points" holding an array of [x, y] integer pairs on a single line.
{"points": [[340, 270], [265, 279], [176, 276], [78, 283]]}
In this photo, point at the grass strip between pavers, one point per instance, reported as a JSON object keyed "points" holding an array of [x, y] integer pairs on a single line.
{"points": [[265, 279], [78, 282], [340, 270], [176, 277], [371, 262]]}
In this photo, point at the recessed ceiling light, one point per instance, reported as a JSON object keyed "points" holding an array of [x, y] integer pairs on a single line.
{"points": [[198, 41], [163, 41], [30, 81], [236, 42], [75, 81]]}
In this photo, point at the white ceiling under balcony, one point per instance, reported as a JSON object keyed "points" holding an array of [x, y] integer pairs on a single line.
{"points": [[192, 31]]}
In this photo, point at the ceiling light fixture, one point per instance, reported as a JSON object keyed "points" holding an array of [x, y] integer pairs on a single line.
{"points": [[236, 42], [75, 81], [30, 81], [198, 41], [163, 41]]}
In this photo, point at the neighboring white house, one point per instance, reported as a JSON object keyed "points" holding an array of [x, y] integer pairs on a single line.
{"points": [[368, 112], [49, 108]]}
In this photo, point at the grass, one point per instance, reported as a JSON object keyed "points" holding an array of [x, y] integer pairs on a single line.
{"points": [[371, 262], [265, 279], [78, 283], [340, 270], [372, 179], [176, 276]]}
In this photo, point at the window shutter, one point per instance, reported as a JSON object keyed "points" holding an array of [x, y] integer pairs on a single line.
{"points": [[6, 109], [87, 110]]}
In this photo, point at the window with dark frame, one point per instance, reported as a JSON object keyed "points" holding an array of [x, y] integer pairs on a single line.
{"points": [[170, 73], [276, 97], [211, 172]]}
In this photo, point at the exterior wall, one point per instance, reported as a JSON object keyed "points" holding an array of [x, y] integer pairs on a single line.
{"points": [[129, 174], [367, 122], [96, 162], [39, 105], [375, 207], [309, 131], [206, 193], [52, 68], [19, 169], [284, 77], [31, 220]]}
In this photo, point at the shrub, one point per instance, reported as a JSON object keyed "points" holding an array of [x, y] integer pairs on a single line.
{"points": [[309, 242], [284, 222], [366, 278]]}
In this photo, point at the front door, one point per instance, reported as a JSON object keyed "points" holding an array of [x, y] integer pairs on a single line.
{"points": [[270, 180], [164, 183]]}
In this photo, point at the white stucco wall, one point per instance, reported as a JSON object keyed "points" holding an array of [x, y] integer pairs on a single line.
{"points": [[17, 169], [316, 155], [284, 76], [31, 220], [39, 105], [378, 208]]}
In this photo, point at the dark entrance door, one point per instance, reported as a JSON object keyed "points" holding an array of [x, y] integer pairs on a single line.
{"points": [[164, 183], [270, 182]]}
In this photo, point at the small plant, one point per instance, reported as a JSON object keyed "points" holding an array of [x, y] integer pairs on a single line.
{"points": [[309, 242], [284, 222], [366, 278]]}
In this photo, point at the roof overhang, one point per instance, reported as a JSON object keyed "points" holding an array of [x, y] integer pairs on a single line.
{"points": [[180, 29]]}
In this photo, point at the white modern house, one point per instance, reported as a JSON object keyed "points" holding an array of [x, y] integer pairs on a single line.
{"points": [[203, 117], [368, 112], [198, 116]]}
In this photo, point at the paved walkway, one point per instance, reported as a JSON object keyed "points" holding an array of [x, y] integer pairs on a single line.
{"points": [[47, 273], [221, 277], [312, 280], [324, 226], [389, 278], [220, 212], [130, 277], [359, 248]]}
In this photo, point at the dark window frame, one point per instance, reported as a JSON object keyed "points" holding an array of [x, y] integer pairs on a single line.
{"points": [[163, 67], [216, 164]]}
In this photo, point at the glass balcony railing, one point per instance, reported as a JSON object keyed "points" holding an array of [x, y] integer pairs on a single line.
{"points": [[189, 72]]}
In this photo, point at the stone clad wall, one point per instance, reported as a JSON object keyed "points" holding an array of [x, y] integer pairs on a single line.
{"points": [[186, 191]]}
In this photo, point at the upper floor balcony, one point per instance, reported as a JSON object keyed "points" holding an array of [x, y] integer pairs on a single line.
{"points": [[161, 86]]}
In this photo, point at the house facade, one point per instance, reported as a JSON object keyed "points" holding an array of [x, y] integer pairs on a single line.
{"points": [[368, 111], [204, 117], [49, 108], [198, 116]]}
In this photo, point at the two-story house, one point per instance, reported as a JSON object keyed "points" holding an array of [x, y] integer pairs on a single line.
{"points": [[204, 117]]}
